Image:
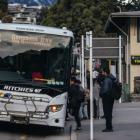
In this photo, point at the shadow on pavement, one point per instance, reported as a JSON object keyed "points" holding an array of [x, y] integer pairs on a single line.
{"points": [[28, 129]]}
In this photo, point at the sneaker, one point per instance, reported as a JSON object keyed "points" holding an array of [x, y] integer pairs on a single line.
{"points": [[102, 117], [78, 128], [67, 119], [85, 118], [107, 130], [95, 117]]}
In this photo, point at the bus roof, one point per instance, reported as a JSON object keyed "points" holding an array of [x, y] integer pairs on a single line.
{"points": [[35, 29]]}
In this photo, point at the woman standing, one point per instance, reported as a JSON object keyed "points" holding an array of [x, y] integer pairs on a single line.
{"points": [[96, 91]]}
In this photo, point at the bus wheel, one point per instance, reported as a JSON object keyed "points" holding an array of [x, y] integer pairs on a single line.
{"points": [[60, 129]]}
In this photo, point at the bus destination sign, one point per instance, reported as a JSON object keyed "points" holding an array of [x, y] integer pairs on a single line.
{"points": [[135, 60]]}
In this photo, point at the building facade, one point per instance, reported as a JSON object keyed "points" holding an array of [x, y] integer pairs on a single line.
{"points": [[127, 24], [24, 14]]}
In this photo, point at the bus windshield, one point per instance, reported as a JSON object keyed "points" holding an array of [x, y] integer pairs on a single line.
{"points": [[35, 56]]}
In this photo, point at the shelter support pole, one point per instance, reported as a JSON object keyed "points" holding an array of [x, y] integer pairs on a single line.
{"points": [[82, 60], [91, 89], [120, 63]]}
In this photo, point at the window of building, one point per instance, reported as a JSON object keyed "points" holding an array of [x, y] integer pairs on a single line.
{"points": [[138, 29], [137, 85]]}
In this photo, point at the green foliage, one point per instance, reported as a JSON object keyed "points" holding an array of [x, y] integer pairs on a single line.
{"points": [[3, 5], [7, 19], [133, 5], [3, 8], [82, 15]]}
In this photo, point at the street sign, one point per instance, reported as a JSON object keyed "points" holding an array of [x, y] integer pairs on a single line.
{"points": [[87, 39], [106, 48], [135, 60]]}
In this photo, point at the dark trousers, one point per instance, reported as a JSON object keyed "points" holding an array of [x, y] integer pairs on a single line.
{"points": [[76, 114], [108, 107], [103, 108], [88, 108], [95, 108]]}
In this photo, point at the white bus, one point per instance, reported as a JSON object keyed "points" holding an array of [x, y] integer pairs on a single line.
{"points": [[34, 74]]}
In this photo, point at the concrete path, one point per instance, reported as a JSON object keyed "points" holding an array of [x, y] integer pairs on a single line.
{"points": [[126, 122]]}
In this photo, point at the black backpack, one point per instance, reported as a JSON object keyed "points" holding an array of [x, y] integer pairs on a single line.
{"points": [[116, 91], [81, 95]]}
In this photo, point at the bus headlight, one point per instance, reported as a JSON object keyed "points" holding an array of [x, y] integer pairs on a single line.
{"points": [[55, 108]]}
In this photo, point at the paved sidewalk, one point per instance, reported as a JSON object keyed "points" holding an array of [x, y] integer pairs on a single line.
{"points": [[126, 122]]}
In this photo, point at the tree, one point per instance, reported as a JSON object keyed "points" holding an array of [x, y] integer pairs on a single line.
{"points": [[7, 19], [133, 5], [3, 8], [81, 15], [3, 5]]}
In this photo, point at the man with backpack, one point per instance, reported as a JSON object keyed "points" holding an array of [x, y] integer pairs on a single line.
{"points": [[107, 99]]}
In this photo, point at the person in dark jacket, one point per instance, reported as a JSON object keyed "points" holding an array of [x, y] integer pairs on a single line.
{"points": [[107, 100], [75, 100], [100, 80]]}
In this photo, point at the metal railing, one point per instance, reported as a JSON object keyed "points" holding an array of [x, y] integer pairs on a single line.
{"points": [[34, 113]]}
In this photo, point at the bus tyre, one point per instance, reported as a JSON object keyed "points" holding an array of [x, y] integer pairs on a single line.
{"points": [[60, 129]]}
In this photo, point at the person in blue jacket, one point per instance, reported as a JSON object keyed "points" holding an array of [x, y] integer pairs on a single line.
{"points": [[107, 100]]}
